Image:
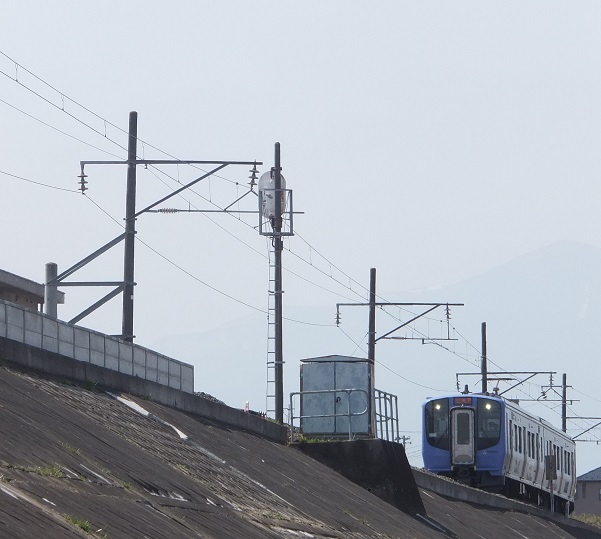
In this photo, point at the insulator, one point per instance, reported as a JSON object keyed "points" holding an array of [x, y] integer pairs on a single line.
{"points": [[253, 175], [82, 182], [168, 210]]}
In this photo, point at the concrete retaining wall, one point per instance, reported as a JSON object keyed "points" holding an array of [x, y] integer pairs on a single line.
{"points": [[377, 465], [40, 331], [43, 361]]}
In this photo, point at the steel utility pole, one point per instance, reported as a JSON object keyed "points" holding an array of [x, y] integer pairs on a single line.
{"points": [[484, 366], [564, 402], [277, 247], [127, 284], [371, 347], [371, 343], [127, 323]]}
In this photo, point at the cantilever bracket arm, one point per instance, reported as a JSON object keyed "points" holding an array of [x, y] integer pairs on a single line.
{"points": [[178, 191], [518, 384], [99, 303], [86, 260], [585, 431], [240, 198], [409, 321]]}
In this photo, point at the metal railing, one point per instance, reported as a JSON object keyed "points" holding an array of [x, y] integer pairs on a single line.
{"points": [[349, 414], [387, 416], [41, 331]]}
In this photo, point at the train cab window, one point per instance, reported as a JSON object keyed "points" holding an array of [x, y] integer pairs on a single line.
{"points": [[437, 423], [489, 423]]}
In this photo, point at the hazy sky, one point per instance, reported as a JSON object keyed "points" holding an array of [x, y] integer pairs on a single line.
{"points": [[431, 140]]}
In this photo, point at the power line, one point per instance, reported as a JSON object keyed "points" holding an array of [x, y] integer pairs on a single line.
{"points": [[38, 183], [64, 96], [57, 106], [57, 129], [182, 269]]}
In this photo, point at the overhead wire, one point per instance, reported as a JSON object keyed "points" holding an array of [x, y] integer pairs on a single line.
{"points": [[64, 96], [106, 122], [57, 106], [38, 183], [58, 130], [215, 289]]}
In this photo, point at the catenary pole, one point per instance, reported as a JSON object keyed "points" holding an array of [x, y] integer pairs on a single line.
{"points": [[564, 402], [371, 348], [127, 327], [484, 365], [277, 247]]}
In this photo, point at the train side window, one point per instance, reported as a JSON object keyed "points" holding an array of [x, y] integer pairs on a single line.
{"points": [[529, 451], [537, 447], [532, 444], [515, 431], [510, 435]]}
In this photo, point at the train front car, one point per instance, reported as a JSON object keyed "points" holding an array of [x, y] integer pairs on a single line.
{"points": [[464, 438], [493, 444]]}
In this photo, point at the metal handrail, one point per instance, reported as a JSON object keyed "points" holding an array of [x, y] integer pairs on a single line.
{"points": [[322, 391], [387, 419]]}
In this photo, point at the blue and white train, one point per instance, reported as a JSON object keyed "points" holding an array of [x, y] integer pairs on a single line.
{"points": [[491, 443]]}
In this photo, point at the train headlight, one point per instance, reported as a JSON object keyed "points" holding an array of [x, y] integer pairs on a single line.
{"points": [[488, 406]]}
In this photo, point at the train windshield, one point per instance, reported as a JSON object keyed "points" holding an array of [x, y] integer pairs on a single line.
{"points": [[489, 423], [437, 423]]}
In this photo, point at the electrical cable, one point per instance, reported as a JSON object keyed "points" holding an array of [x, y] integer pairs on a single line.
{"points": [[58, 130], [58, 107], [38, 183], [83, 107], [64, 96], [167, 259]]}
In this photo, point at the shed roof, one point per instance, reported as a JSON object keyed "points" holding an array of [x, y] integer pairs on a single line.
{"points": [[333, 357], [593, 475]]}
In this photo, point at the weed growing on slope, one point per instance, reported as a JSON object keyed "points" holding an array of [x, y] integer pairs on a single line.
{"points": [[70, 448], [83, 524]]}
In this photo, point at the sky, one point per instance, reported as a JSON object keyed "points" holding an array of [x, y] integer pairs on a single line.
{"points": [[430, 140]]}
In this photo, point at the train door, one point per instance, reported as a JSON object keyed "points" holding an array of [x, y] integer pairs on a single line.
{"points": [[462, 446]]}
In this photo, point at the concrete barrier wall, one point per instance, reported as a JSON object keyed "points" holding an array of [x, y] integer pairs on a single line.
{"points": [[40, 331], [42, 361]]}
